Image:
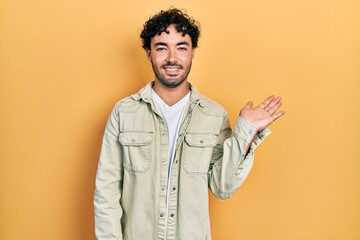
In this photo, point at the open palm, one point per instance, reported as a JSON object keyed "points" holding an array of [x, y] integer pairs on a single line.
{"points": [[264, 114]]}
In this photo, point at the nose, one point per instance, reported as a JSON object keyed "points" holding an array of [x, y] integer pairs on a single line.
{"points": [[171, 56]]}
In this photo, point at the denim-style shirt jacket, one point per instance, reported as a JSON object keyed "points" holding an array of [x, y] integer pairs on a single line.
{"points": [[132, 198]]}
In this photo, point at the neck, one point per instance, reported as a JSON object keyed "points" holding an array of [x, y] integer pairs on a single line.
{"points": [[171, 95]]}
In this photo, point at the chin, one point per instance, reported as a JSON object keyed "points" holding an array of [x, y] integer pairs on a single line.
{"points": [[172, 83]]}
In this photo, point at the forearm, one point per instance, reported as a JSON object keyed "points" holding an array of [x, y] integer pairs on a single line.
{"points": [[107, 208], [108, 212], [234, 159]]}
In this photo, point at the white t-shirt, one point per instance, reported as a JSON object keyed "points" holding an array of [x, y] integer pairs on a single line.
{"points": [[172, 116]]}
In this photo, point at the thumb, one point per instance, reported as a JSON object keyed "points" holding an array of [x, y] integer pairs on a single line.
{"points": [[249, 105]]}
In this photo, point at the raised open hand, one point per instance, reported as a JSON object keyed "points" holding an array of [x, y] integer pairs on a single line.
{"points": [[264, 114]]}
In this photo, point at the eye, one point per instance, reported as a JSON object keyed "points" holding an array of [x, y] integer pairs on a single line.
{"points": [[182, 49], [159, 49]]}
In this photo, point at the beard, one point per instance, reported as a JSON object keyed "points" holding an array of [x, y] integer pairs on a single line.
{"points": [[168, 81]]}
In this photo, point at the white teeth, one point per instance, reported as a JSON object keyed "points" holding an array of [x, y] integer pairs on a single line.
{"points": [[172, 69]]}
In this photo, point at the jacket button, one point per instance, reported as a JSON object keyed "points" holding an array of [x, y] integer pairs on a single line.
{"points": [[201, 141], [174, 188], [172, 215], [161, 215]]}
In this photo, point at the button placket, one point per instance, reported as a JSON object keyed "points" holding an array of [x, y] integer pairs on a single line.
{"points": [[163, 175]]}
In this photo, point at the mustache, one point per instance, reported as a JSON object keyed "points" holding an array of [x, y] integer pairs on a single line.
{"points": [[172, 64]]}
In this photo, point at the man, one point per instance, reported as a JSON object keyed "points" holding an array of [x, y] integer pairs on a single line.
{"points": [[164, 146]]}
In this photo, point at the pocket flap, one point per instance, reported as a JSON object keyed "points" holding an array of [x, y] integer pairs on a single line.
{"points": [[135, 138], [201, 140]]}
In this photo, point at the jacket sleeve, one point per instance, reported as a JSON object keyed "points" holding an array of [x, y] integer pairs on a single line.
{"points": [[108, 187], [230, 164]]}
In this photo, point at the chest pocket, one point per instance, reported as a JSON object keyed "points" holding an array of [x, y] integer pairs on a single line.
{"points": [[198, 151], [137, 150]]}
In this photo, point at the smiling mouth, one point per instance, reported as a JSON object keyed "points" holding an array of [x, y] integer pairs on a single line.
{"points": [[172, 70]]}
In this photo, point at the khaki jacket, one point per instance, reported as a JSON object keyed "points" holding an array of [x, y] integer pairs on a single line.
{"points": [[132, 177]]}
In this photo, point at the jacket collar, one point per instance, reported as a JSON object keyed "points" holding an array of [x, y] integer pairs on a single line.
{"points": [[145, 94]]}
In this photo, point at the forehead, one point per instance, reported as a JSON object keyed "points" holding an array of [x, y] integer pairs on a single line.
{"points": [[172, 37]]}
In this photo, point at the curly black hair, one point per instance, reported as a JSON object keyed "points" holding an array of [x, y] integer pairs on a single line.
{"points": [[158, 23]]}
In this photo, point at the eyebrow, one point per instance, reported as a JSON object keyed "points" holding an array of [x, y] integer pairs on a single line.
{"points": [[178, 44], [183, 43]]}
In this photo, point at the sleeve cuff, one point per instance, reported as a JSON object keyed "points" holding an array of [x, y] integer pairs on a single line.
{"points": [[246, 131]]}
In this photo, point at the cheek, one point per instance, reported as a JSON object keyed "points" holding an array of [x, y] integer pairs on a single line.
{"points": [[187, 59], [157, 59], [153, 60]]}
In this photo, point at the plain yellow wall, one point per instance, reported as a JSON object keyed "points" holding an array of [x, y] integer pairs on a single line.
{"points": [[63, 65]]}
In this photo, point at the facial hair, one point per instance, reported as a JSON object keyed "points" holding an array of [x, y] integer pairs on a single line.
{"points": [[171, 82]]}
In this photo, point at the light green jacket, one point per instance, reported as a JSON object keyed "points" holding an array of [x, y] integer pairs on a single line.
{"points": [[131, 183]]}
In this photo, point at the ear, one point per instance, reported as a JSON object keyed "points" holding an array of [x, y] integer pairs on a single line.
{"points": [[192, 53], [148, 54]]}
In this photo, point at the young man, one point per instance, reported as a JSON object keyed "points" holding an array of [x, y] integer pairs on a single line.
{"points": [[164, 146]]}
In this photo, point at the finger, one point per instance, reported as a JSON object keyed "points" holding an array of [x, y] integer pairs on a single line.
{"points": [[272, 103], [249, 105], [272, 110], [266, 102], [278, 115]]}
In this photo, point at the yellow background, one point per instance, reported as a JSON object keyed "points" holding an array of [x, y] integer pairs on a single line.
{"points": [[63, 65]]}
